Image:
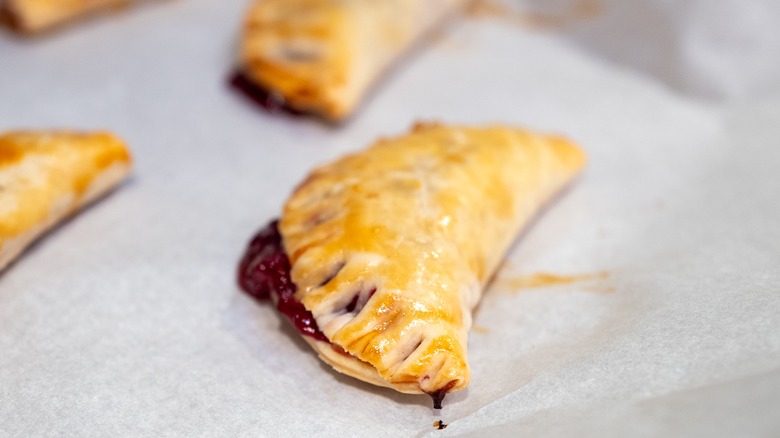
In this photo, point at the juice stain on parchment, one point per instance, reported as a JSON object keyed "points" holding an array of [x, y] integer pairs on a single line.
{"points": [[479, 329], [578, 10], [573, 12], [545, 279], [507, 283]]}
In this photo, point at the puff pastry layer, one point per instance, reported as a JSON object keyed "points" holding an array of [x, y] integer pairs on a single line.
{"points": [[321, 56], [38, 15], [390, 248], [46, 176]]}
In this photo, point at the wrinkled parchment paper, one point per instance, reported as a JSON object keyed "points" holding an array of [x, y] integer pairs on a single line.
{"points": [[127, 322]]}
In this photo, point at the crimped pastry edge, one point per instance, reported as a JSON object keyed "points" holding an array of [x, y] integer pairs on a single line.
{"points": [[354, 367]]}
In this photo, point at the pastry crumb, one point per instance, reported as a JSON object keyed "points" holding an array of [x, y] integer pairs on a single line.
{"points": [[439, 425]]}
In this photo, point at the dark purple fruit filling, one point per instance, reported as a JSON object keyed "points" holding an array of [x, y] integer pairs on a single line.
{"points": [[265, 270], [266, 99], [353, 307]]}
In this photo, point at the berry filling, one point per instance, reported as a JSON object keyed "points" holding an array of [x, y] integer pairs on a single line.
{"points": [[269, 100], [265, 271]]}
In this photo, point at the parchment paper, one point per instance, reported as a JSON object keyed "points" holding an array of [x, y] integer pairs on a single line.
{"points": [[126, 321]]}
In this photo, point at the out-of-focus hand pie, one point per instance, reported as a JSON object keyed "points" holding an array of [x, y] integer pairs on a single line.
{"points": [[380, 257], [322, 56], [46, 176], [31, 16]]}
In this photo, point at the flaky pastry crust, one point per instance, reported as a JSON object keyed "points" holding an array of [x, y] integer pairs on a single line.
{"points": [[391, 247], [46, 176], [322, 56]]}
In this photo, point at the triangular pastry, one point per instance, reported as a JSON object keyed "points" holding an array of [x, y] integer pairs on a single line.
{"points": [[37, 15], [46, 176], [322, 56], [380, 257]]}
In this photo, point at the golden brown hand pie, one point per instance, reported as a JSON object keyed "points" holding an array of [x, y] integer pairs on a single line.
{"points": [[38, 15], [45, 176], [380, 257], [321, 56]]}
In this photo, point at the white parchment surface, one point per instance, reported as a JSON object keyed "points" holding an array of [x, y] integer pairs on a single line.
{"points": [[127, 321]]}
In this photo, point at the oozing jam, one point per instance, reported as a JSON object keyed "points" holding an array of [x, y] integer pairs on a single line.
{"points": [[438, 398], [266, 99], [265, 270], [7, 17]]}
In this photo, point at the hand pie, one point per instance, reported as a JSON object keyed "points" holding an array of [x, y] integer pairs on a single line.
{"points": [[380, 257], [37, 15], [322, 56], [46, 176]]}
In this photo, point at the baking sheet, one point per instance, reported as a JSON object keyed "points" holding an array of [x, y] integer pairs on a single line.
{"points": [[127, 321]]}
